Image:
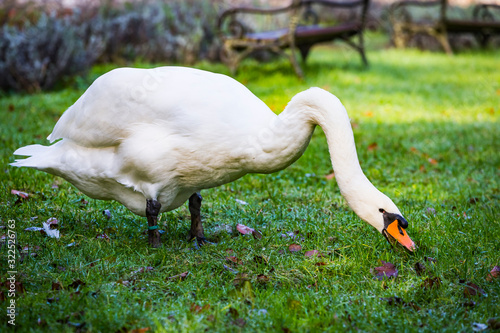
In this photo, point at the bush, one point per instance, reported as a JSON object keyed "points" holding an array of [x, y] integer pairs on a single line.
{"points": [[36, 56], [48, 45]]}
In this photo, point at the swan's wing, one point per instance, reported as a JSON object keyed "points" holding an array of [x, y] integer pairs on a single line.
{"points": [[182, 97]]}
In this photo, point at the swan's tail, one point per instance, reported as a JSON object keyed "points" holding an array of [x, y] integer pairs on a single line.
{"points": [[37, 157]]}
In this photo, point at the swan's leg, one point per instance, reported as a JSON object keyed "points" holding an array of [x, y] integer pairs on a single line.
{"points": [[196, 226], [152, 211]]}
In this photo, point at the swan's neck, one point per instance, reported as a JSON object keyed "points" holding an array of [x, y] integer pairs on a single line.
{"points": [[289, 135]]}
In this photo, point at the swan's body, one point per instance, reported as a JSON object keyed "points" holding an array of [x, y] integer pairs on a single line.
{"points": [[163, 134]]}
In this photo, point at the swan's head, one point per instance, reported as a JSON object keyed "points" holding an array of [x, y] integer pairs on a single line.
{"points": [[378, 210]]}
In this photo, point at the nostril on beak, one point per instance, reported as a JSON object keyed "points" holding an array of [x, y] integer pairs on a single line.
{"points": [[403, 223]]}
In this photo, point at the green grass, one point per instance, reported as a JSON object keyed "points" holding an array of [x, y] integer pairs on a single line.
{"points": [[435, 122]]}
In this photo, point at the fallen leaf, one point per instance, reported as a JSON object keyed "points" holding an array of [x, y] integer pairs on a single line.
{"points": [[419, 268], [239, 322], [432, 161], [494, 274], [372, 146], [387, 270], [233, 312], [320, 263], [76, 284], [430, 283], [124, 283], [472, 289], [180, 277], [20, 194], [330, 176], [243, 229], [473, 201], [494, 323], [262, 278], [198, 309], [234, 259], [295, 248], [102, 236], [57, 286], [139, 330], [313, 253], [469, 304]]}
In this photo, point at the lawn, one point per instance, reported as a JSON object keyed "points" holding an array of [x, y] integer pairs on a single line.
{"points": [[427, 132]]}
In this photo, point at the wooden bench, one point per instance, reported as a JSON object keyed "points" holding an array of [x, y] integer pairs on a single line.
{"points": [[483, 24], [305, 23]]}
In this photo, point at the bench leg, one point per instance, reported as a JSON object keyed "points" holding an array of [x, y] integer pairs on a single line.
{"points": [[361, 49], [295, 63], [442, 38]]}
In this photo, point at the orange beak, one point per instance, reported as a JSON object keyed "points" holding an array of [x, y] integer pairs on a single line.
{"points": [[399, 234]]}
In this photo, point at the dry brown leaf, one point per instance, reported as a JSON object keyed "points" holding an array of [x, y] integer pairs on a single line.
{"points": [[312, 253], [195, 308], [234, 259], [372, 146], [180, 277], [330, 176], [494, 274], [472, 289], [239, 322], [430, 283], [139, 330], [494, 323], [295, 248], [419, 268], [243, 229], [77, 283], [262, 278], [57, 286], [387, 270]]}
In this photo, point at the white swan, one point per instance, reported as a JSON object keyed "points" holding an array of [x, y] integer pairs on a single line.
{"points": [[153, 138]]}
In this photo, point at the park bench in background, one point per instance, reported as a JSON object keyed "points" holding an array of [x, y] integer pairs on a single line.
{"points": [[482, 23], [296, 27]]}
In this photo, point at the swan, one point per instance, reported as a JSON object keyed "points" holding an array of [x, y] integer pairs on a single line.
{"points": [[152, 139]]}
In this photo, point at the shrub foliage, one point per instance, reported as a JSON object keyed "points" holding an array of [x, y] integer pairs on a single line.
{"points": [[39, 47]]}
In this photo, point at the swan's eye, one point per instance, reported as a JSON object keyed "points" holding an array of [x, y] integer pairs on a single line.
{"points": [[381, 210]]}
